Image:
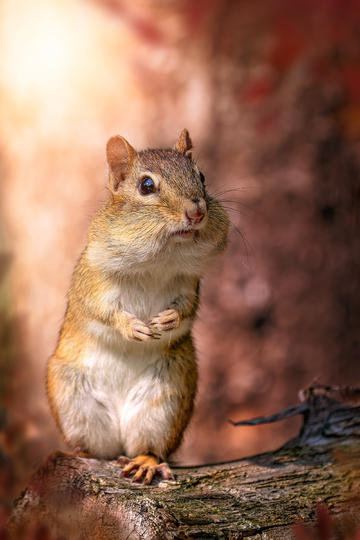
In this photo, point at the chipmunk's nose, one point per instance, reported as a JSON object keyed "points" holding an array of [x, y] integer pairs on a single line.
{"points": [[195, 211]]}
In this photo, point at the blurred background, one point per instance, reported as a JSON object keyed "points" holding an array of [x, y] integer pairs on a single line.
{"points": [[270, 92]]}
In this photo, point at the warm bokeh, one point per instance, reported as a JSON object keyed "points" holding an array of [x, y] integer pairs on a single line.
{"points": [[270, 92]]}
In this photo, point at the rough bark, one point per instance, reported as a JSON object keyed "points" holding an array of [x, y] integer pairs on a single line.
{"points": [[260, 497]]}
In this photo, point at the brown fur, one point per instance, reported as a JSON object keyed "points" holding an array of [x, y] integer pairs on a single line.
{"points": [[128, 240]]}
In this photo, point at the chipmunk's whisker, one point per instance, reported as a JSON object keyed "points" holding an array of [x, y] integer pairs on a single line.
{"points": [[234, 201], [241, 212], [243, 238], [219, 193]]}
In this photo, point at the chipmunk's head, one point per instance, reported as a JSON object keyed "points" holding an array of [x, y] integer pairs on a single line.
{"points": [[158, 198]]}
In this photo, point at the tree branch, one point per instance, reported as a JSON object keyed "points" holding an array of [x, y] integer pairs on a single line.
{"points": [[261, 497]]}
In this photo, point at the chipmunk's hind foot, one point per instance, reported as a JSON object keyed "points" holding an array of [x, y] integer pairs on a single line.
{"points": [[144, 467], [76, 452]]}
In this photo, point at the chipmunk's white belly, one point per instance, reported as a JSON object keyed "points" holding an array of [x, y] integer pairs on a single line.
{"points": [[131, 397], [136, 395]]}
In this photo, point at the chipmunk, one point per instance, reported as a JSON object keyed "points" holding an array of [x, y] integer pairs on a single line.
{"points": [[122, 381]]}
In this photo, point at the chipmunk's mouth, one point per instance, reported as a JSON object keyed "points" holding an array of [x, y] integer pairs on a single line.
{"points": [[185, 233]]}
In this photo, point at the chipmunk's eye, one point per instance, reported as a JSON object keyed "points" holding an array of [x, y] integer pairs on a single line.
{"points": [[147, 186], [202, 178]]}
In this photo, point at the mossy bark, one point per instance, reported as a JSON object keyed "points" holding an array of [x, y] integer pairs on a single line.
{"points": [[260, 497]]}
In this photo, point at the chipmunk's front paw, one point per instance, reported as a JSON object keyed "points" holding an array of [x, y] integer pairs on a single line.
{"points": [[139, 331], [166, 320], [144, 468]]}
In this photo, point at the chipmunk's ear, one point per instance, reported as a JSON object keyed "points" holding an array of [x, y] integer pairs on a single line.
{"points": [[120, 156], [184, 143]]}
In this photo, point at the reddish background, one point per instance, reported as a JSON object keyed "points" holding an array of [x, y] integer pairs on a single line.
{"points": [[270, 92]]}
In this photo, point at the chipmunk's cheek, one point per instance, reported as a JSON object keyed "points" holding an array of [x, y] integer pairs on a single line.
{"points": [[203, 223]]}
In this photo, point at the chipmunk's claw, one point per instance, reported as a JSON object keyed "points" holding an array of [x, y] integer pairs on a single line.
{"points": [[144, 468], [164, 470], [166, 320], [139, 331]]}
